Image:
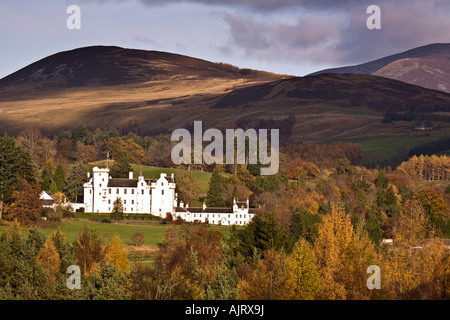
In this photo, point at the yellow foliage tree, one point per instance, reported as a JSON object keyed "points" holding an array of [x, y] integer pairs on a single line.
{"points": [[304, 274], [269, 281], [117, 256], [49, 258], [343, 255]]}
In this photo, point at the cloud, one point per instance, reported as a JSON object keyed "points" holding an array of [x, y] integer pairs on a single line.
{"points": [[341, 37]]}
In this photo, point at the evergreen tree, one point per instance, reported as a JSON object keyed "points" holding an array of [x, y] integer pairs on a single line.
{"points": [[117, 211], [214, 197], [77, 177], [53, 187], [15, 164], [60, 178], [121, 167]]}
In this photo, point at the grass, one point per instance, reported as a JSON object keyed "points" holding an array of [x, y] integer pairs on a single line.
{"points": [[391, 147], [153, 233]]}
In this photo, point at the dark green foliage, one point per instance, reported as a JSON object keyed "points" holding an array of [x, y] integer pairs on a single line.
{"points": [[121, 167], [263, 233], [15, 164], [214, 197], [303, 225], [60, 178], [117, 211], [77, 177]]}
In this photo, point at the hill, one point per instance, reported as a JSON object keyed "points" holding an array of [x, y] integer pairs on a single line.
{"points": [[427, 66], [109, 65], [425, 72], [158, 92]]}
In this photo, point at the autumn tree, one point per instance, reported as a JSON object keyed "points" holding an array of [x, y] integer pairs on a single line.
{"points": [[117, 256], [138, 238], [417, 265], [343, 255], [304, 273], [270, 280], [88, 251], [26, 205], [49, 259], [186, 186]]}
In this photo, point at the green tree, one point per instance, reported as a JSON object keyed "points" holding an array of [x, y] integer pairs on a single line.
{"points": [[77, 177], [121, 167], [15, 166], [117, 211], [214, 196], [60, 178], [304, 273]]}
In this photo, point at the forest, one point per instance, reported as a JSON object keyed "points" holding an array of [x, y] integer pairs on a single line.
{"points": [[321, 222]]}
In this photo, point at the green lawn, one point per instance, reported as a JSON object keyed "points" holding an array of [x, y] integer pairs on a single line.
{"points": [[153, 233], [391, 147]]}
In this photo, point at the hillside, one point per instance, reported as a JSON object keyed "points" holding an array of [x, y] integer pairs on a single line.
{"points": [[158, 92], [427, 66], [108, 65], [425, 72]]}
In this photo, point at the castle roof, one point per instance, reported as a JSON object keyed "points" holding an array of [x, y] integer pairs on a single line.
{"points": [[122, 183]]}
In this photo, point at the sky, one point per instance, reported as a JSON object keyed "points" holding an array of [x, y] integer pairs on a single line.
{"points": [[294, 37]]}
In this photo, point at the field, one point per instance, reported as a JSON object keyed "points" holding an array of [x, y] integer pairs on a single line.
{"points": [[153, 234]]}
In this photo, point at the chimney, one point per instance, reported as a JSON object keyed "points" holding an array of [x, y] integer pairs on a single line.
{"points": [[181, 204], [130, 175], [89, 175], [204, 206], [187, 205]]}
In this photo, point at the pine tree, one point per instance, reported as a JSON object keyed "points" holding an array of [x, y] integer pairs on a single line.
{"points": [[214, 197], [60, 178], [77, 177]]}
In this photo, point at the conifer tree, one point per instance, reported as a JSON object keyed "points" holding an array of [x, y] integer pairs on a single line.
{"points": [[77, 177], [214, 196]]}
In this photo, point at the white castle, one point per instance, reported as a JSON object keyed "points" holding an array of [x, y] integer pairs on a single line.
{"points": [[156, 197]]}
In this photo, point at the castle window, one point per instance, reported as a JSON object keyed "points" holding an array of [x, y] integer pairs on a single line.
{"points": [[162, 192], [142, 191], [132, 201], [124, 201], [132, 191], [124, 191], [109, 201], [109, 190], [117, 191]]}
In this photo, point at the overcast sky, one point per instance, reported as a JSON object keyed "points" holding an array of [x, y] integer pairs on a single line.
{"points": [[294, 37]]}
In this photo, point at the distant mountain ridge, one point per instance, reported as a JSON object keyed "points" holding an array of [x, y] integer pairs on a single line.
{"points": [[103, 86], [427, 66]]}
